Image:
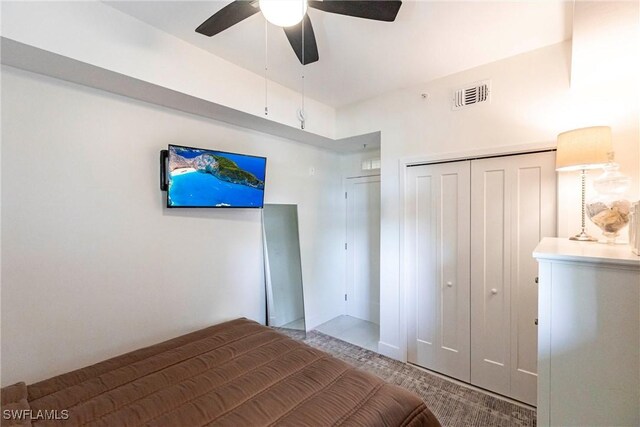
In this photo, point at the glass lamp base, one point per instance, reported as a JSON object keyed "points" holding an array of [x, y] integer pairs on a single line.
{"points": [[583, 237], [611, 237]]}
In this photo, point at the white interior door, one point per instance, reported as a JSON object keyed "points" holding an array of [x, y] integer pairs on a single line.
{"points": [[436, 242], [513, 204], [363, 248]]}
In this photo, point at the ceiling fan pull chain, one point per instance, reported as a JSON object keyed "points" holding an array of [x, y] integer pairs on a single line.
{"points": [[303, 61], [266, 67]]}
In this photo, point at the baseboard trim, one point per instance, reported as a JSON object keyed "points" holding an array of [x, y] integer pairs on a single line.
{"points": [[389, 350]]}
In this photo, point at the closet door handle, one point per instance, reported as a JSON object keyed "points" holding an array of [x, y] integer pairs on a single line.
{"points": [[494, 291], [449, 284], [536, 280]]}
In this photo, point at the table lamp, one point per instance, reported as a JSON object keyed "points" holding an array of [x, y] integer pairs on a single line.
{"points": [[583, 149]]}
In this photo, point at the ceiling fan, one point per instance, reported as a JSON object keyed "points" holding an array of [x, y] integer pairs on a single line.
{"points": [[291, 15]]}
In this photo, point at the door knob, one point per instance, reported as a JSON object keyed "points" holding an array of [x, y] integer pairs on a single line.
{"points": [[449, 284], [494, 291]]}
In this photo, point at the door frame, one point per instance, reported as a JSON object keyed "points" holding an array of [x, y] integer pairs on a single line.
{"points": [[345, 182], [400, 351]]}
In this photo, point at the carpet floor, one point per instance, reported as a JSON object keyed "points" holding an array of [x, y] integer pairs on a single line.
{"points": [[453, 404]]}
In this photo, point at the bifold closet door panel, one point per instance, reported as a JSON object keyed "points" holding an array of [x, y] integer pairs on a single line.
{"points": [[437, 221], [533, 213], [513, 203], [490, 274]]}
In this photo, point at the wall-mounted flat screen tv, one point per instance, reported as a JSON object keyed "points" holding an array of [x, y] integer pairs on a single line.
{"points": [[200, 178]]}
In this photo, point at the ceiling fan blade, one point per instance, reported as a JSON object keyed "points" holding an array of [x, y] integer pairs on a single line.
{"points": [[294, 34], [228, 16], [379, 10]]}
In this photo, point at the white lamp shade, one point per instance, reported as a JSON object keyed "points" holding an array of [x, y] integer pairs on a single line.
{"points": [[585, 148], [283, 13]]}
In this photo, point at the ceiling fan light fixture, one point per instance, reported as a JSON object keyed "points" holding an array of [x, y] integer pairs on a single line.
{"points": [[283, 13]]}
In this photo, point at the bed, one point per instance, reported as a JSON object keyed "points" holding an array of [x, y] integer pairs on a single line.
{"points": [[237, 373]]}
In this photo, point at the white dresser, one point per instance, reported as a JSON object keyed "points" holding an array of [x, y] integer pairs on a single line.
{"points": [[588, 334]]}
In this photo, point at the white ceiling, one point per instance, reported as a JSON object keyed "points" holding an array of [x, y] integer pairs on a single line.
{"points": [[359, 58]]}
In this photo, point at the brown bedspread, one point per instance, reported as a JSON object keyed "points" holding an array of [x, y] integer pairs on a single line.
{"points": [[238, 373]]}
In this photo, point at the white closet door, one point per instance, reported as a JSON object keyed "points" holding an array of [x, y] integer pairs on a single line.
{"points": [[533, 213], [437, 219], [513, 207], [490, 274], [363, 248]]}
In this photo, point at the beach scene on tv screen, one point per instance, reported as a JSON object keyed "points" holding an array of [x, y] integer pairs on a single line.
{"points": [[206, 178]]}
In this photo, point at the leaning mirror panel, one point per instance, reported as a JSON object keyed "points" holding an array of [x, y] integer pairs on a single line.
{"points": [[283, 269]]}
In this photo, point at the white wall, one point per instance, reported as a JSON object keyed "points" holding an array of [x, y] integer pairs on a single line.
{"points": [[93, 265], [531, 103], [97, 34], [606, 43]]}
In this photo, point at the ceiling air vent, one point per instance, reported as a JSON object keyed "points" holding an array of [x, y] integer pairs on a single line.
{"points": [[475, 93]]}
